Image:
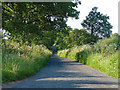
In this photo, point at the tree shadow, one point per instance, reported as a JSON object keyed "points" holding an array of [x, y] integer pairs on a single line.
{"points": [[65, 73]]}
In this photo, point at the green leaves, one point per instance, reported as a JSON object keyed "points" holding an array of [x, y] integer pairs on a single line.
{"points": [[75, 37], [30, 19], [97, 24]]}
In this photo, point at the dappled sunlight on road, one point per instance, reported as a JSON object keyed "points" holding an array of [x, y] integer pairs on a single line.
{"points": [[67, 73], [73, 78]]}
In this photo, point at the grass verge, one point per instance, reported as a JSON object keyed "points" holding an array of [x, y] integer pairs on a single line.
{"points": [[102, 56], [22, 61]]}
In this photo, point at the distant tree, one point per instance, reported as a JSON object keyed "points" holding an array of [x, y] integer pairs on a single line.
{"points": [[75, 37], [115, 34], [97, 24], [79, 37]]}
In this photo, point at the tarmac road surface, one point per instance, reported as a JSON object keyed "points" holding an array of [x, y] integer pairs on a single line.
{"points": [[67, 73]]}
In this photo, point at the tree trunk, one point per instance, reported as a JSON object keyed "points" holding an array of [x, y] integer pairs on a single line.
{"points": [[92, 35]]}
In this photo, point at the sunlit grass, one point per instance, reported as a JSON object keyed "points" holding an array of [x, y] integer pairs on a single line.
{"points": [[0, 65], [19, 62], [0, 61], [102, 56]]}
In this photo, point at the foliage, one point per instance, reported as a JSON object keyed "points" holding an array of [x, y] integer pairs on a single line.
{"points": [[0, 61], [75, 37], [1, 35], [31, 31], [108, 64], [97, 24], [21, 61], [102, 56], [79, 37], [32, 22], [115, 34]]}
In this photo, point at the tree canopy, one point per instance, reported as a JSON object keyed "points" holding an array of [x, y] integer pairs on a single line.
{"points": [[31, 20], [97, 24], [45, 23], [75, 37]]}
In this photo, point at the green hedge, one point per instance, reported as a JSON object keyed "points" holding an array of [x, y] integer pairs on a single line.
{"points": [[102, 56], [22, 61]]}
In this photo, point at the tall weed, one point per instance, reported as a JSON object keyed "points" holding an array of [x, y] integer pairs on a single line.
{"points": [[102, 56], [21, 61]]}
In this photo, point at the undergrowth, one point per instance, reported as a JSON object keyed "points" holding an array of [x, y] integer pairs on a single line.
{"points": [[21, 61], [102, 56]]}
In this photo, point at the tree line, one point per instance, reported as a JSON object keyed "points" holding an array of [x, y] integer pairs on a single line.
{"points": [[45, 23], [95, 27], [37, 23]]}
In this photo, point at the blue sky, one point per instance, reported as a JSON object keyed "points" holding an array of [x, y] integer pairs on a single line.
{"points": [[107, 7]]}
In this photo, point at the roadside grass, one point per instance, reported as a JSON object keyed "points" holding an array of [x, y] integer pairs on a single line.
{"points": [[19, 62], [102, 56], [0, 61], [0, 65], [20, 68], [109, 64]]}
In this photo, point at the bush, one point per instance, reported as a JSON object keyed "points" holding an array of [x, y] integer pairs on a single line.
{"points": [[21, 61], [102, 56]]}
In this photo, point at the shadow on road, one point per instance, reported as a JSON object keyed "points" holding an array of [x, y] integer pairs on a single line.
{"points": [[66, 73]]}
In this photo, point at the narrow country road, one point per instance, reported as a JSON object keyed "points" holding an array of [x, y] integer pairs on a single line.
{"points": [[67, 73]]}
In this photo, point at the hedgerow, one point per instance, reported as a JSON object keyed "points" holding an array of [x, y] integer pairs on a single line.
{"points": [[21, 61], [103, 55]]}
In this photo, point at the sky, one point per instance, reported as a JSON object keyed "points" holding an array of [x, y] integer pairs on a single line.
{"points": [[106, 7]]}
